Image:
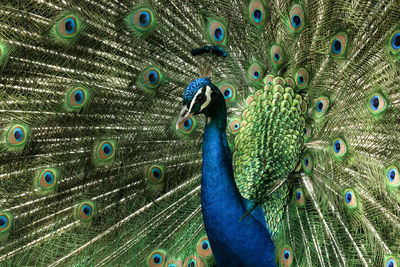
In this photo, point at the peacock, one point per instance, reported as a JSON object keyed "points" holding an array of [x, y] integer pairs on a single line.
{"points": [[199, 133]]}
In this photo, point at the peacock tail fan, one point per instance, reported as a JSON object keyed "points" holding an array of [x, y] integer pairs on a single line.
{"points": [[93, 170]]}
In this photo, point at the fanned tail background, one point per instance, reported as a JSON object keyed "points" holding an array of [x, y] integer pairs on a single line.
{"points": [[94, 172]]}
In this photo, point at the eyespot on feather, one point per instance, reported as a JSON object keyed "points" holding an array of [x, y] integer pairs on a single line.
{"points": [[150, 79], [321, 106], [173, 263], [155, 174], [85, 211], [339, 148], [307, 131], [257, 13], [307, 163], [296, 18], [350, 198], [68, 27], [141, 20], [277, 56], [17, 136], [299, 197], [6, 222], [193, 261], [217, 32], [392, 176], [377, 103], [204, 248], [394, 44], [234, 126], [188, 126], [255, 72], [229, 93], [105, 152], [391, 261], [338, 45], [77, 97], [286, 258], [47, 180], [302, 78], [157, 258]]}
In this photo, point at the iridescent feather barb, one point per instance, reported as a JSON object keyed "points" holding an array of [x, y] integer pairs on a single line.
{"points": [[93, 170]]}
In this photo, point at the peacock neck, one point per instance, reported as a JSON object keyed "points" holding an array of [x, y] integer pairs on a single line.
{"points": [[234, 242]]}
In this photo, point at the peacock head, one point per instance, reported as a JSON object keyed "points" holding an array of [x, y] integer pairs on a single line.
{"points": [[201, 96]]}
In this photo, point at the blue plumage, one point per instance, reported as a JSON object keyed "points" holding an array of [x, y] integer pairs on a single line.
{"points": [[220, 199]]}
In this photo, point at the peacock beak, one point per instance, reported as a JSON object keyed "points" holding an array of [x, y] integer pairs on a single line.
{"points": [[183, 116]]}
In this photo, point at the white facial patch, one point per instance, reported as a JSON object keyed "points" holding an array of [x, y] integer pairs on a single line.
{"points": [[208, 100], [208, 94]]}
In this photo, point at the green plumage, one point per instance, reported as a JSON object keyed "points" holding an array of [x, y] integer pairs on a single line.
{"points": [[93, 171]]}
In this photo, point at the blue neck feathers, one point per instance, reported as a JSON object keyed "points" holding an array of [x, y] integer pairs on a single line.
{"points": [[234, 243]]}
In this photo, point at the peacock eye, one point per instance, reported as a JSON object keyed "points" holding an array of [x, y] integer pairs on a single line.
{"points": [[255, 72], [205, 245], [234, 126], [150, 79], [105, 152], [392, 175], [337, 46], [201, 98], [302, 78], [276, 53], [144, 18], [204, 248], [339, 148], [296, 22], [68, 27], [77, 97], [286, 257], [217, 32], [228, 91], [86, 211], [107, 149], [17, 136], [141, 20], [321, 106], [307, 163], [3, 222], [153, 77], [157, 258], [377, 103], [307, 131], [350, 198], [155, 174], [47, 178], [192, 263], [299, 197], [396, 41], [391, 262]]}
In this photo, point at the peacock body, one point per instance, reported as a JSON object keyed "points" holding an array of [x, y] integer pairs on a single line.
{"points": [[295, 163]]}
